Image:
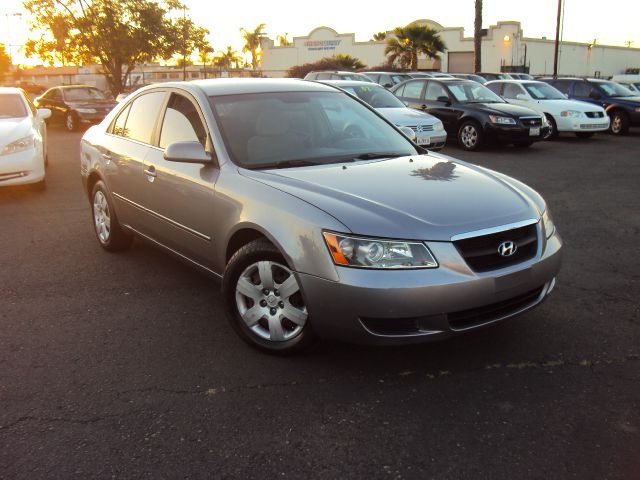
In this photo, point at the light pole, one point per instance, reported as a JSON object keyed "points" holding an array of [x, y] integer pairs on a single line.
{"points": [[9, 44]]}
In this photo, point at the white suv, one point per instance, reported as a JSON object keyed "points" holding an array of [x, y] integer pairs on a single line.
{"points": [[562, 114]]}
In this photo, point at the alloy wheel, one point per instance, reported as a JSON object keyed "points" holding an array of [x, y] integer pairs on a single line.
{"points": [[616, 124], [469, 136], [269, 301], [70, 123], [101, 216]]}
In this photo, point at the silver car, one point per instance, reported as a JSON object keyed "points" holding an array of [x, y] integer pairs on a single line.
{"points": [[429, 131], [319, 216]]}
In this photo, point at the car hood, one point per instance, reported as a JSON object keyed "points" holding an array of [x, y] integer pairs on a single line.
{"points": [[633, 101], [12, 129], [406, 116], [427, 197], [505, 108]]}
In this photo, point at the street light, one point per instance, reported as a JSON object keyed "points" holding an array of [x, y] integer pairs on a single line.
{"points": [[7, 15]]}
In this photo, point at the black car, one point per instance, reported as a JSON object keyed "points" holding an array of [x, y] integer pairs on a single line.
{"points": [[622, 105], [470, 76], [75, 105], [488, 76], [387, 79], [472, 113], [337, 75]]}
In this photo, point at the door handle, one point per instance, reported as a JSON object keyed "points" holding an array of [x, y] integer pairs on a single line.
{"points": [[150, 173]]}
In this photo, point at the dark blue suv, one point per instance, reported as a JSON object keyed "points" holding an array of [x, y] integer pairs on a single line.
{"points": [[622, 105]]}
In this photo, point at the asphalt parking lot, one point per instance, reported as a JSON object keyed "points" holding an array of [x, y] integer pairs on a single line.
{"points": [[124, 366]]}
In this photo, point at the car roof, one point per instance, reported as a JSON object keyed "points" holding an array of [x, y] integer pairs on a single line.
{"points": [[514, 80], [351, 83], [13, 90], [386, 72], [235, 86]]}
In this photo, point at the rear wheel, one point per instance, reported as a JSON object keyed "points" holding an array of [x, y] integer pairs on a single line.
{"points": [[470, 136], [619, 123], [584, 134], [264, 301], [111, 236]]}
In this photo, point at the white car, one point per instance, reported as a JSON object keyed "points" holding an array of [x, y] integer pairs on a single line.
{"points": [[23, 139], [562, 114]]}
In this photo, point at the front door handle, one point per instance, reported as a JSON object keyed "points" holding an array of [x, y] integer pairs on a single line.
{"points": [[150, 173]]}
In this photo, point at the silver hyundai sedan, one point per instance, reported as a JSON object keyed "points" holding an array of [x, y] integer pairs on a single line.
{"points": [[321, 218]]}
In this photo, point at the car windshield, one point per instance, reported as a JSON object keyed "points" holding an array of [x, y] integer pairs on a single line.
{"points": [[398, 78], [288, 129], [355, 76], [83, 94], [12, 106], [543, 91], [377, 97], [612, 89], [473, 92]]}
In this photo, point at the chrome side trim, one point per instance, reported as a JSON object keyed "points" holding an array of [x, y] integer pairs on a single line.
{"points": [[491, 230], [162, 217], [171, 250]]}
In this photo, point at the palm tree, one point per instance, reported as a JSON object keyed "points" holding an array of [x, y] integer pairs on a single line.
{"points": [[283, 41], [227, 59], [252, 43], [380, 36], [204, 55], [408, 42], [477, 38], [347, 62]]}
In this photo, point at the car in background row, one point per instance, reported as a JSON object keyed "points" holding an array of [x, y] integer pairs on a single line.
{"points": [[472, 113], [622, 105], [631, 81], [494, 76], [429, 131], [387, 79], [563, 115], [521, 76], [23, 139], [470, 76], [312, 230], [337, 75], [76, 105]]}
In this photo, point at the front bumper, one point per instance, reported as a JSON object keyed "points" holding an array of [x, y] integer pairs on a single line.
{"points": [[410, 306], [513, 133], [22, 168], [567, 124]]}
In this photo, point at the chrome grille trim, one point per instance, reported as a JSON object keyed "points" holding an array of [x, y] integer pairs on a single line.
{"points": [[492, 230]]}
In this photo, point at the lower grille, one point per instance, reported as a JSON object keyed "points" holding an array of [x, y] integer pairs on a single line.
{"points": [[423, 128], [481, 253], [593, 126], [474, 317]]}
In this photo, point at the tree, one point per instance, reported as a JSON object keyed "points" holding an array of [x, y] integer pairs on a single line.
{"points": [[408, 42], [190, 36], [5, 60], [337, 62], [252, 43], [116, 34], [283, 41], [379, 37], [183, 62], [204, 54], [347, 62], [227, 59], [477, 38]]}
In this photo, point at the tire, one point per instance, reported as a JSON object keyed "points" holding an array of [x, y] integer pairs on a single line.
{"points": [[257, 305], [111, 236], [470, 136], [619, 123], [553, 128], [523, 144], [71, 122], [584, 134]]}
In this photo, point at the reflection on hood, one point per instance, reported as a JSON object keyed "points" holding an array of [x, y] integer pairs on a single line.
{"points": [[440, 171]]}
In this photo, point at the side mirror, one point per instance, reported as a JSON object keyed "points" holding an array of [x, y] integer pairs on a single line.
{"points": [[388, 85], [566, 95], [186, 152], [521, 96], [410, 134], [406, 104], [444, 100], [44, 113]]}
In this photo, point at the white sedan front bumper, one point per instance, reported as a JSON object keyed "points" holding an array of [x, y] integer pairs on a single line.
{"points": [[582, 124], [23, 167]]}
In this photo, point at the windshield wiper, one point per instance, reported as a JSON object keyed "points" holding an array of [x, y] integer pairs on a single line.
{"points": [[374, 155], [284, 164]]}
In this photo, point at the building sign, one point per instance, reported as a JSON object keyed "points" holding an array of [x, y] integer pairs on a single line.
{"points": [[322, 44]]}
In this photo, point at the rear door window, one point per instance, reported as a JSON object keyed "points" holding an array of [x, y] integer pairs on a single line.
{"points": [[511, 90], [413, 90], [581, 89]]}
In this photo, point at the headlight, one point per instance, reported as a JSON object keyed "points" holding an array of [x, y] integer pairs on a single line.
{"points": [[547, 222], [637, 109], [501, 120], [378, 253], [438, 126], [19, 145], [86, 110], [571, 113]]}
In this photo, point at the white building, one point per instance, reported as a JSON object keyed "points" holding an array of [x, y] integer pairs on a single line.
{"points": [[503, 44]]}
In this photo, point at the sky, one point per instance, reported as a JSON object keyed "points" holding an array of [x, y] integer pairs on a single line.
{"points": [[611, 22]]}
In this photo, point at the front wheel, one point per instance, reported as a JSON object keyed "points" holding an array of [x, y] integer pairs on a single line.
{"points": [[470, 136], [111, 236], [553, 128], [264, 301], [619, 123], [71, 122]]}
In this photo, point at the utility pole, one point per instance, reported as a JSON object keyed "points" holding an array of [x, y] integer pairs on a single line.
{"points": [[477, 38], [184, 43], [557, 45]]}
